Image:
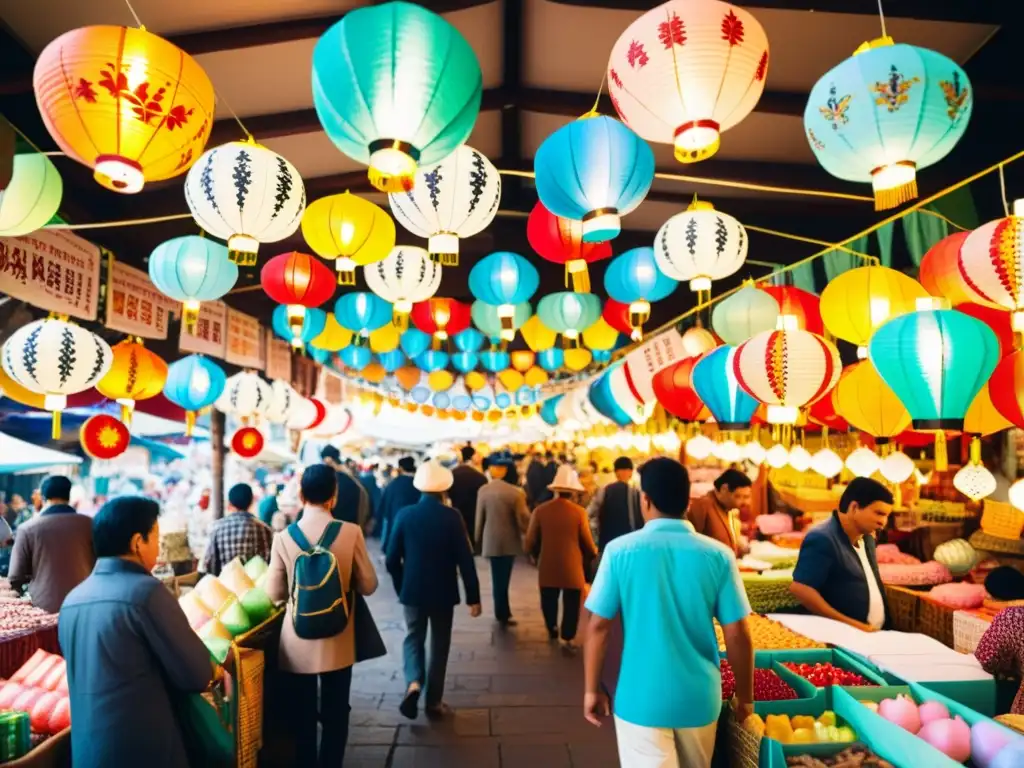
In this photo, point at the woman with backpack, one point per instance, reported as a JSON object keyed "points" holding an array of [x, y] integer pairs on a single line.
{"points": [[318, 565]]}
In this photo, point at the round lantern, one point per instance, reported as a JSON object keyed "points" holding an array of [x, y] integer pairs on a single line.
{"points": [[561, 241], [245, 396], [441, 317], [374, 373], [699, 447], [282, 400], [32, 196], [863, 462], [103, 437], [55, 358], [616, 314], [777, 456], [356, 357], [594, 170], [983, 418], [464, 362], [126, 103], [362, 312], [511, 379], [714, 381], [551, 359], [607, 402], [135, 374], [855, 303], [537, 335], [494, 360], [800, 458], [333, 337], [305, 330], [244, 193], [940, 271], [700, 245], [522, 360], [697, 341], [798, 309], [827, 463], [1006, 388], [192, 269], [745, 313], [599, 336], [991, 262], [407, 275], [536, 377], [391, 361], [935, 361], [414, 342], [673, 388], [348, 230], [247, 442], [469, 340], [458, 197], [569, 313], [408, 376], [897, 467], [385, 339], [602, 355], [786, 370], [193, 383], [577, 359], [474, 380], [496, 322], [307, 413], [432, 360], [634, 278], [886, 112], [868, 403], [504, 279], [686, 71], [548, 410], [298, 281]]}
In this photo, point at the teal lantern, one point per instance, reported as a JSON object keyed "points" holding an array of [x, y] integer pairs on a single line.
{"points": [[318, 355], [714, 381], [594, 170], [432, 360], [886, 112], [362, 312], [192, 269], [395, 86], [936, 361], [32, 196], [548, 410], [193, 383], [498, 324], [551, 360], [391, 361], [414, 342], [602, 355], [503, 277], [469, 340], [356, 357], [494, 360], [744, 314], [569, 313], [602, 397], [299, 333], [633, 278], [464, 362]]}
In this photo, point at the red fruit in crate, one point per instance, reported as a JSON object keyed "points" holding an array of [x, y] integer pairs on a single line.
{"points": [[39, 717], [27, 699], [9, 693], [60, 718], [57, 673]]}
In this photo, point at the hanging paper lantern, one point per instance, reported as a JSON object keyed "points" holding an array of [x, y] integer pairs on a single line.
{"points": [[863, 462], [798, 309], [469, 340], [561, 241], [494, 360], [511, 379], [999, 320], [700, 245], [602, 355], [385, 339], [135, 374], [474, 380], [697, 341], [673, 388], [714, 382], [55, 359], [600, 336], [1006, 388], [456, 198], [777, 456], [441, 400], [594, 170], [569, 313], [124, 102], [686, 71], [305, 329], [973, 480], [824, 412], [855, 303], [307, 413], [244, 193], [868, 403], [504, 280], [362, 312], [551, 359], [414, 342], [333, 337], [245, 396], [940, 271], [405, 277], [799, 458], [604, 400], [432, 360], [634, 278], [356, 357], [192, 269], [348, 230], [282, 400], [745, 313], [827, 463], [441, 317], [408, 377], [391, 361], [522, 360], [616, 314], [193, 383], [496, 325], [464, 362], [935, 361], [536, 377], [786, 370], [297, 280], [537, 335], [32, 195], [373, 373], [548, 411], [247, 442], [577, 359], [897, 467], [103, 437], [982, 417], [992, 263], [699, 447], [886, 112]]}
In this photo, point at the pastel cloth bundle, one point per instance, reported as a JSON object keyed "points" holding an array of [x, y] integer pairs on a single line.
{"points": [[962, 596], [915, 575]]}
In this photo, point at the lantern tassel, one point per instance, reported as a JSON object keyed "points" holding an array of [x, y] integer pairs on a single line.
{"points": [[577, 274], [400, 320], [941, 452], [126, 414], [55, 426], [190, 422], [346, 277]]}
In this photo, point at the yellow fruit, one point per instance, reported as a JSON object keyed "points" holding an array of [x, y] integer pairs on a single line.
{"points": [[828, 717], [803, 736], [802, 721]]}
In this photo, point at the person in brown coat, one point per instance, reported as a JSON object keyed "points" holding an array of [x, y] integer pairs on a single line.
{"points": [[559, 530], [717, 514]]}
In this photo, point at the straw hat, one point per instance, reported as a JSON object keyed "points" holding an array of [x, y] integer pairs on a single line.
{"points": [[432, 477], [566, 479]]}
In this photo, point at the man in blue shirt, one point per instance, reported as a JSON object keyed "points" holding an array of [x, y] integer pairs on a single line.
{"points": [[668, 583]]}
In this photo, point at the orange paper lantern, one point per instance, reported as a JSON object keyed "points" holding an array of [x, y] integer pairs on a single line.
{"points": [[135, 374], [104, 437], [940, 271], [247, 442]]}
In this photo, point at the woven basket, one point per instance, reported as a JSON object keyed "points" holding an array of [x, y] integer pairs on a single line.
{"points": [[1016, 722], [744, 747], [935, 620], [1002, 520], [989, 543], [248, 703], [967, 631], [904, 607]]}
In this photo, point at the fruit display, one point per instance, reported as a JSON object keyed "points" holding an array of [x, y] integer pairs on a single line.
{"points": [[39, 688], [804, 729], [769, 635], [823, 675], [728, 680], [857, 756], [18, 616], [769, 591], [768, 686]]}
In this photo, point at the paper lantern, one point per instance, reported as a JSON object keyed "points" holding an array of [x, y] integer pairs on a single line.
{"points": [[700, 245], [497, 322], [31, 197], [983, 418], [786, 370], [333, 337], [863, 462], [697, 341], [777, 456], [522, 360], [414, 342], [474, 381], [464, 362], [298, 281], [495, 360], [395, 86], [686, 71], [247, 442], [192, 269], [745, 313], [408, 377], [594, 170], [602, 355], [973, 480], [939, 272], [432, 360], [504, 280], [824, 412], [348, 230], [391, 361], [511, 379], [283, 398], [600, 336], [569, 313], [356, 357], [135, 374], [634, 278], [999, 320], [991, 263], [1006, 388], [246, 194], [886, 112], [299, 331], [673, 388], [536, 377], [55, 359], [124, 102], [456, 198], [551, 359], [827, 463], [537, 335], [406, 276], [193, 383], [469, 340], [577, 359], [307, 413], [385, 339], [855, 303], [245, 396], [617, 315], [798, 309], [799, 458], [699, 447], [362, 312], [373, 373], [714, 381], [103, 437], [935, 361], [608, 404], [561, 241], [441, 317]]}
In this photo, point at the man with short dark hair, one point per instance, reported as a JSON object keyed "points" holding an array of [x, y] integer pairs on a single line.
{"points": [[239, 534], [399, 494], [467, 482], [836, 575], [53, 551], [717, 514], [615, 509], [352, 504], [668, 697], [502, 518], [129, 649]]}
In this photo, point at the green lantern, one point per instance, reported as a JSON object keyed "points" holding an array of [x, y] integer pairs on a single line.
{"points": [[501, 322], [569, 313], [32, 197], [936, 361]]}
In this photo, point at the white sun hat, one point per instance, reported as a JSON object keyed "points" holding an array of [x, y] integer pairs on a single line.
{"points": [[566, 479], [432, 477]]}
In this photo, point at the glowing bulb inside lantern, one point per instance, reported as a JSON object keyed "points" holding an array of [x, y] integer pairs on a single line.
{"points": [[403, 305], [346, 233], [120, 174], [392, 165], [930, 302], [783, 414], [699, 447], [571, 333], [190, 314], [244, 244], [1017, 494], [787, 323], [696, 140], [878, 307], [700, 284], [894, 184]]}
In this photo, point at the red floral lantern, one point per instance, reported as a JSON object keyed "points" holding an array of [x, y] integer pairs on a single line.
{"points": [[104, 437], [674, 390], [561, 241], [996, 319], [616, 314], [299, 281], [247, 442], [940, 271], [798, 309], [1006, 387], [442, 318]]}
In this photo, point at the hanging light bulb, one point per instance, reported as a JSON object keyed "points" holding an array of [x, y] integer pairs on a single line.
{"points": [[699, 447], [973, 480], [728, 451], [1017, 494], [827, 463], [800, 458], [897, 467], [863, 462], [777, 456], [754, 452]]}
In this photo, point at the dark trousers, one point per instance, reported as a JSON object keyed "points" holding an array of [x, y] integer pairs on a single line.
{"points": [[570, 609], [332, 713], [501, 577], [428, 672]]}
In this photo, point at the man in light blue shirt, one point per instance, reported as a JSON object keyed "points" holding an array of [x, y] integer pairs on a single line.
{"points": [[667, 583]]}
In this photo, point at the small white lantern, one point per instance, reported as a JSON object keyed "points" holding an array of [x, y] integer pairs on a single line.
{"points": [[863, 462]]}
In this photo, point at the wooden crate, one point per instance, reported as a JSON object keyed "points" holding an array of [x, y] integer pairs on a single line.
{"points": [[936, 620]]}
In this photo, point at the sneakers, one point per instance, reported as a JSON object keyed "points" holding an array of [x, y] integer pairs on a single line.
{"points": [[410, 706]]}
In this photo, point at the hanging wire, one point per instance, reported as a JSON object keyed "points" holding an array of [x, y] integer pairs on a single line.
{"points": [[122, 222], [600, 90], [881, 16], [135, 16], [234, 114], [1002, 190]]}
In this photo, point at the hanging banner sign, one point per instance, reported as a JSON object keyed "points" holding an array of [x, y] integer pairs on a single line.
{"points": [[279, 358], [245, 341], [649, 358], [210, 337], [134, 305], [53, 270]]}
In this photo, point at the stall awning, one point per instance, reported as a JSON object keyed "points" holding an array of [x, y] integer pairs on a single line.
{"points": [[19, 456]]}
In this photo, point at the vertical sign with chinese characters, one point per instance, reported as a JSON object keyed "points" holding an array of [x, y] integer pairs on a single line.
{"points": [[279, 358], [649, 358], [245, 341], [52, 270], [210, 336], [134, 305]]}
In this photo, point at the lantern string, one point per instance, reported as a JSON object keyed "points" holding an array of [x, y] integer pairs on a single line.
{"points": [[1002, 191], [135, 16], [600, 90], [234, 114], [881, 16]]}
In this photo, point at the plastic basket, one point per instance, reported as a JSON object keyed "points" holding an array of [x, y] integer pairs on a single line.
{"points": [[247, 692], [967, 631], [935, 620], [1002, 520], [904, 605], [744, 747]]}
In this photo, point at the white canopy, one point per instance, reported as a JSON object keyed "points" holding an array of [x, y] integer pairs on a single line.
{"points": [[19, 456]]}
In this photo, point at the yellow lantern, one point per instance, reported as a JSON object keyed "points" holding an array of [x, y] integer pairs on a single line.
{"points": [[536, 377], [867, 402], [982, 417], [537, 335], [857, 302], [427, 410], [474, 380], [459, 415], [348, 230], [440, 381], [126, 103], [411, 407], [333, 337], [135, 374], [522, 360], [385, 339], [600, 335], [511, 379], [374, 373], [577, 359], [12, 390], [478, 415], [408, 376]]}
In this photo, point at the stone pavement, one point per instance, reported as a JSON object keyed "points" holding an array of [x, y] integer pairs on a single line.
{"points": [[517, 699]]}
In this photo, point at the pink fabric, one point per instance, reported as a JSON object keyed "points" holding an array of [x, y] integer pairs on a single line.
{"points": [[771, 525], [890, 554], [963, 596], [919, 575]]}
